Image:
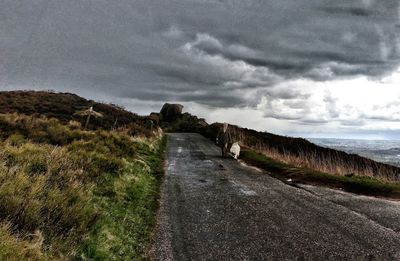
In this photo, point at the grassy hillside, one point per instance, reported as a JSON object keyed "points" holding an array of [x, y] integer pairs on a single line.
{"points": [[302, 153], [68, 193], [66, 107]]}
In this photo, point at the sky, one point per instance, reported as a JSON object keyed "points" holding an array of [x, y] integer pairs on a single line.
{"points": [[309, 68]]}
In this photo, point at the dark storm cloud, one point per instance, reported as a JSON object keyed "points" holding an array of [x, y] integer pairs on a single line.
{"points": [[357, 11], [209, 52]]}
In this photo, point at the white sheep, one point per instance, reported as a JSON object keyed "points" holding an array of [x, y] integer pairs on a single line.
{"points": [[235, 150]]}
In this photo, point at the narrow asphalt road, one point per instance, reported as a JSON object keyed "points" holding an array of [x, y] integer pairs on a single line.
{"points": [[218, 209]]}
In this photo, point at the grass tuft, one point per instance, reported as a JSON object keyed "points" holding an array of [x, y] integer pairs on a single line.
{"points": [[353, 183]]}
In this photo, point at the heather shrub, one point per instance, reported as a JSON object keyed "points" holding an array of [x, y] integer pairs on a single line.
{"points": [[37, 129], [64, 106]]}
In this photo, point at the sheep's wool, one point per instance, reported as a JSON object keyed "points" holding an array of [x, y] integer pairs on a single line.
{"points": [[235, 150]]}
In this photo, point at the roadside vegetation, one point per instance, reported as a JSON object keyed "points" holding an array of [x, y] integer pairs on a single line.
{"points": [[68, 193], [301, 153], [298, 173]]}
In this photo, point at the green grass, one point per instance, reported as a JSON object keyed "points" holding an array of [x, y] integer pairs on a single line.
{"points": [[352, 183], [128, 204], [67, 193]]}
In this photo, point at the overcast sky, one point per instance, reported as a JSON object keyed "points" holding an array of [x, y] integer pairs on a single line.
{"points": [[311, 68]]}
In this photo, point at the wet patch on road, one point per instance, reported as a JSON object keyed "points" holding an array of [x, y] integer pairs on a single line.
{"points": [[243, 189]]}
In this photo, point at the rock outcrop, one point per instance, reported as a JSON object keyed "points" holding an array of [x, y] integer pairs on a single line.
{"points": [[171, 112]]}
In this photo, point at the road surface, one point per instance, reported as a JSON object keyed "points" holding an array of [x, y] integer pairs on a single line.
{"points": [[213, 208]]}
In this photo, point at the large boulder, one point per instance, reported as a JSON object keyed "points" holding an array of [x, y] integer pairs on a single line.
{"points": [[171, 112]]}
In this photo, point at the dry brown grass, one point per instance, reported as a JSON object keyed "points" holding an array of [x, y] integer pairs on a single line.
{"points": [[41, 194], [16, 248], [332, 163], [301, 153], [60, 185]]}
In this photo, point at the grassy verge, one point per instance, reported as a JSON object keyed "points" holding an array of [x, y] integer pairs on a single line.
{"points": [[127, 204], [67, 193], [352, 183]]}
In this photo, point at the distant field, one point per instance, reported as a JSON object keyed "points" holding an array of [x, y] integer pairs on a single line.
{"points": [[67, 193], [386, 151]]}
